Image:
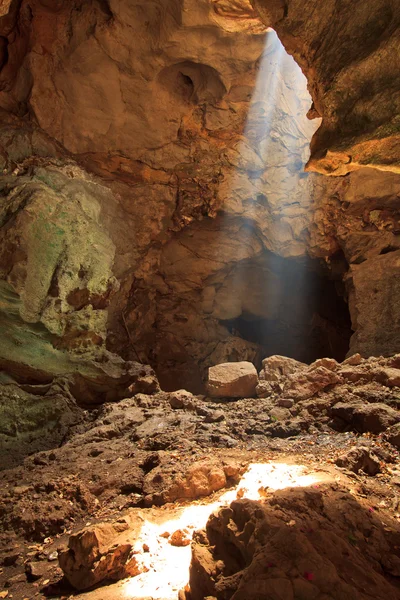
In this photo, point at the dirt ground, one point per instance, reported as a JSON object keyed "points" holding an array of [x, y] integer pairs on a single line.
{"points": [[154, 456]]}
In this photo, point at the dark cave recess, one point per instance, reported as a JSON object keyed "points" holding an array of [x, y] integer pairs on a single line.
{"points": [[310, 316]]}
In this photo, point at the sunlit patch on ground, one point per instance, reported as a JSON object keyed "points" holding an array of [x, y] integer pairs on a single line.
{"points": [[168, 565]]}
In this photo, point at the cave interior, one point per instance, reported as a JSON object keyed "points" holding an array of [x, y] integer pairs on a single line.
{"points": [[199, 300]]}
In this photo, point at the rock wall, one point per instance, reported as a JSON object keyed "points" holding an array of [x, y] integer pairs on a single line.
{"points": [[154, 201]]}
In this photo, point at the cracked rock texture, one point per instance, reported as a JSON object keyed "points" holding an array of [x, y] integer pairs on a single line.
{"points": [[348, 53]]}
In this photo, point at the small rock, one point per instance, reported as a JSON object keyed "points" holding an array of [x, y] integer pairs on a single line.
{"points": [[36, 570], [354, 360], [181, 399], [360, 459], [264, 389], [52, 556], [99, 553], [279, 414], [215, 416], [165, 535], [285, 402], [328, 363], [180, 538]]}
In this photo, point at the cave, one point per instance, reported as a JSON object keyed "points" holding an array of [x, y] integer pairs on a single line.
{"points": [[199, 299], [305, 318]]}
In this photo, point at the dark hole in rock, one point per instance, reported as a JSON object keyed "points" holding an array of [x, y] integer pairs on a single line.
{"points": [[303, 315], [388, 249], [192, 82], [231, 309]]}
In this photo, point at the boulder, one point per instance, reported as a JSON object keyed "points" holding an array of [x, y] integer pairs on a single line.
{"points": [[232, 380], [100, 553], [298, 543], [275, 367], [169, 482]]}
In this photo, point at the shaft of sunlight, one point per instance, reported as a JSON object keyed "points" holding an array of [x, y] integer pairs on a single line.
{"points": [[270, 192]]}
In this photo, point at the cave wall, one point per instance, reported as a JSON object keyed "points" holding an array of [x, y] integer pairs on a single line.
{"points": [[139, 174]]}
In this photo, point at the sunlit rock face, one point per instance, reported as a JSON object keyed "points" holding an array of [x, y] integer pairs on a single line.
{"points": [[348, 51], [154, 200]]}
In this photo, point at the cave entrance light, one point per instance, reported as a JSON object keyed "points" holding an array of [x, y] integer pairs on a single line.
{"points": [[268, 187]]}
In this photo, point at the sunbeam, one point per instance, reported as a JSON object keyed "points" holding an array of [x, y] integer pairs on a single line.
{"points": [[269, 190]]}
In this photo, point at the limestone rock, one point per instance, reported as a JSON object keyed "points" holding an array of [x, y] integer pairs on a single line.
{"points": [[276, 366], [100, 553], [57, 257], [287, 547], [331, 68], [306, 384], [165, 212], [232, 380], [182, 399], [196, 480]]}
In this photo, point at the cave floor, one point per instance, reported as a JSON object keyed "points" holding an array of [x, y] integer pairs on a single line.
{"points": [[143, 457]]}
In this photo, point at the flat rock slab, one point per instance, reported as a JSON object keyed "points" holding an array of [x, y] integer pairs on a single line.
{"points": [[232, 380]]}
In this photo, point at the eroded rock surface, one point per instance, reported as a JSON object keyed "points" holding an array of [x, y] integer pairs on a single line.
{"points": [[345, 50], [173, 222], [306, 543]]}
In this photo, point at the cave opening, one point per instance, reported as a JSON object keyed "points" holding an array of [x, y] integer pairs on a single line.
{"points": [[291, 307]]}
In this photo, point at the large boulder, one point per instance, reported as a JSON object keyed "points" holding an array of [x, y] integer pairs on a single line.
{"points": [[303, 385], [232, 380], [299, 543]]}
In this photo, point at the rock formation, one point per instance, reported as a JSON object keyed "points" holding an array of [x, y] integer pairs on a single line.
{"points": [[154, 198], [348, 54], [165, 212], [287, 548]]}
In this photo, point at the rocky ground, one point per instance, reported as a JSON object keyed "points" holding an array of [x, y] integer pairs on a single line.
{"points": [[166, 449]]}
